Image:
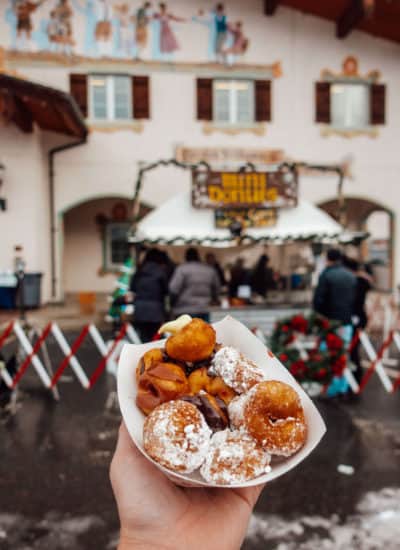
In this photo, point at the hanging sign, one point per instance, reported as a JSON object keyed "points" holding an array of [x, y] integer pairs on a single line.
{"points": [[227, 190], [247, 217]]}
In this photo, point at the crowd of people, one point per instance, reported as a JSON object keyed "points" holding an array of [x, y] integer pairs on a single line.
{"points": [[162, 289]]}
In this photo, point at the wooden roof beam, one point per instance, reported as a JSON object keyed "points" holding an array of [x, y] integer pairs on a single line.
{"points": [[270, 6], [355, 12]]}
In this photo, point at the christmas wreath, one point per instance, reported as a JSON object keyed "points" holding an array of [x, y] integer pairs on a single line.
{"points": [[309, 347]]}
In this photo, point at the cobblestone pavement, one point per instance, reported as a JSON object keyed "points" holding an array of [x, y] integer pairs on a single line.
{"points": [[55, 494]]}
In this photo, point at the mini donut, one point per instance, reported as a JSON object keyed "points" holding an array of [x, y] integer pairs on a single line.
{"points": [[234, 457], [212, 408], [176, 436], [155, 355], [199, 380], [161, 382], [272, 414], [193, 343], [235, 369]]}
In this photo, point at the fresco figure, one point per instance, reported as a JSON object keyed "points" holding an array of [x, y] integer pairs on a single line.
{"points": [[125, 33], [89, 11], [239, 43], [24, 10], [217, 22], [104, 30], [10, 17], [60, 27], [142, 18], [168, 41]]}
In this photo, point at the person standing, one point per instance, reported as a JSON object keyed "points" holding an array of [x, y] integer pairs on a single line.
{"points": [[360, 319], [194, 286], [150, 288], [262, 277], [334, 298], [212, 261]]}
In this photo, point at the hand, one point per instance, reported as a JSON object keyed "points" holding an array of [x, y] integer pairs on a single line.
{"points": [[156, 514]]}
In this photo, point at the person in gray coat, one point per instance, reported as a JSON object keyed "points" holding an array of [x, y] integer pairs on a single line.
{"points": [[193, 286]]}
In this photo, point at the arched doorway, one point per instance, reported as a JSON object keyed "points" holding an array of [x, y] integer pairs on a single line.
{"points": [[95, 244], [379, 221]]}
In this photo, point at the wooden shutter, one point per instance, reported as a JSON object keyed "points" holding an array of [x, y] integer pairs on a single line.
{"points": [[78, 89], [140, 97], [262, 99], [323, 102], [377, 103], [204, 99]]}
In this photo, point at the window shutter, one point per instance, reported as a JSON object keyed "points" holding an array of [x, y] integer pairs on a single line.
{"points": [[78, 89], [377, 103], [323, 102], [204, 99], [262, 99], [140, 97]]}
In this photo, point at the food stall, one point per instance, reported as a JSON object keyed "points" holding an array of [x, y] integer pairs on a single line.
{"points": [[247, 213]]}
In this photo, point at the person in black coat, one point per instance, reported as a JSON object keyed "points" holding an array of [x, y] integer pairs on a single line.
{"points": [[262, 277], [150, 287], [360, 318], [335, 294]]}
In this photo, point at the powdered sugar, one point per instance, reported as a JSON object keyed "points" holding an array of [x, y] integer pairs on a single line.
{"points": [[233, 457], [177, 436], [235, 369]]}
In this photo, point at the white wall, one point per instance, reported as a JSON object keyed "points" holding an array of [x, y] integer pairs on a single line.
{"points": [[305, 45]]}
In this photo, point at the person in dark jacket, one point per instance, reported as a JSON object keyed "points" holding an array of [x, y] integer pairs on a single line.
{"points": [[262, 277], [150, 288], [360, 319], [335, 294]]}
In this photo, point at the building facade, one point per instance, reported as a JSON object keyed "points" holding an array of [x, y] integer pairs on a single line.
{"points": [[224, 82]]}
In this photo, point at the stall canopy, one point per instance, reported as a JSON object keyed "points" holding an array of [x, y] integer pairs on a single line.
{"points": [[176, 222]]}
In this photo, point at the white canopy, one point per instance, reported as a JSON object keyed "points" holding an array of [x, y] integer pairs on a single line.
{"points": [[177, 222]]}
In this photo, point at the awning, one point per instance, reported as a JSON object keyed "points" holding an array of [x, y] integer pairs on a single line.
{"points": [[177, 223], [24, 103]]}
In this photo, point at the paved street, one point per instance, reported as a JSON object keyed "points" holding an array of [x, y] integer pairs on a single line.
{"points": [[55, 494]]}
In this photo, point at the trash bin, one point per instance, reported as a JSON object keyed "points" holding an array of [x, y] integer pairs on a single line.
{"points": [[32, 286], [8, 289]]}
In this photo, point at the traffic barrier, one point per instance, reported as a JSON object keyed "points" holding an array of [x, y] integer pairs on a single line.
{"points": [[31, 351]]}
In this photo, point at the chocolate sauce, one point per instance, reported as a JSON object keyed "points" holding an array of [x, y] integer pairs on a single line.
{"points": [[216, 414]]}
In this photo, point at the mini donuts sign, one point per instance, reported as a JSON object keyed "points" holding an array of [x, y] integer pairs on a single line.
{"points": [[227, 190]]}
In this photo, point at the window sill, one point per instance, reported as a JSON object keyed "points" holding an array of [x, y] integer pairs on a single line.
{"points": [[328, 131], [116, 126], [258, 128]]}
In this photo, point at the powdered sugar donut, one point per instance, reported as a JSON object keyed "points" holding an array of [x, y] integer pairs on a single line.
{"points": [[235, 369], [177, 436], [234, 457], [272, 414]]}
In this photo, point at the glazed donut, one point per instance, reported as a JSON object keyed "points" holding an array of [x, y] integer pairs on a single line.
{"points": [[155, 355], [272, 414], [161, 382], [212, 408], [235, 369], [199, 380], [193, 343], [234, 457], [176, 436]]}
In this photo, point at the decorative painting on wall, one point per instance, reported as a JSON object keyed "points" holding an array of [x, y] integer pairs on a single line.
{"points": [[117, 29]]}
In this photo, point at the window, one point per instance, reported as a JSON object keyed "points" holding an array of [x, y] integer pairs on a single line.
{"points": [[355, 105], [350, 105], [116, 246], [110, 97], [233, 101]]}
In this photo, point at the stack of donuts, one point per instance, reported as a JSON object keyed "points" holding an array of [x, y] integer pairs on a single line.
{"points": [[209, 407]]}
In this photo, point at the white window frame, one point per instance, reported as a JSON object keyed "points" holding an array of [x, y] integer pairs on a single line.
{"points": [[109, 265], [367, 85], [110, 98], [233, 102]]}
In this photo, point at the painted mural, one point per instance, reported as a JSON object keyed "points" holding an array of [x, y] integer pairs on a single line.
{"points": [[122, 30]]}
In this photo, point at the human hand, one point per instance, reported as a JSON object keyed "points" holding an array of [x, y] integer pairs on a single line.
{"points": [[156, 514]]}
